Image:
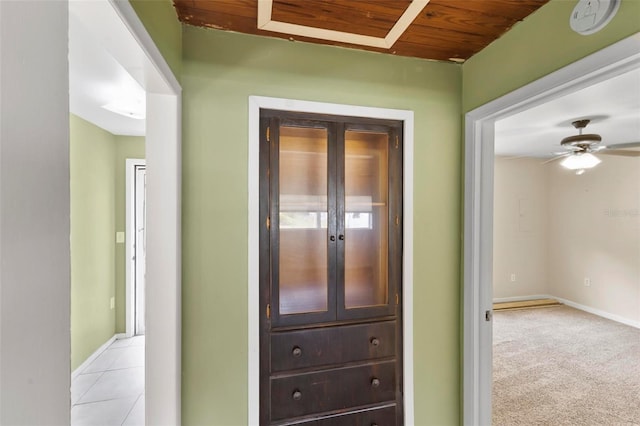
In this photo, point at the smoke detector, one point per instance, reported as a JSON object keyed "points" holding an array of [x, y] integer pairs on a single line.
{"points": [[590, 16]]}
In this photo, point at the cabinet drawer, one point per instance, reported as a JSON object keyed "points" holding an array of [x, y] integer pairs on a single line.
{"points": [[329, 390], [332, 345], [385, 416]]}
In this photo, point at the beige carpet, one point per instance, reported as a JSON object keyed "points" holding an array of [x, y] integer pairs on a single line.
{"points": [[562, 366]]}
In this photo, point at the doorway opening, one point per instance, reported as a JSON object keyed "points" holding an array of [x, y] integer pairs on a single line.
{"points": [[136, 206], [117, 27], [478, 221]]}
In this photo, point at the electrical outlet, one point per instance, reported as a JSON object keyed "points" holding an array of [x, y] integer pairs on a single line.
{"points": [[587, 282], [512, 278], [112, 302]]}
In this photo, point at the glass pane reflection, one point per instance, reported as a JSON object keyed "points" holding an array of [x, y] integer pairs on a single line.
{"points": [[366, 219], [303, 220]]}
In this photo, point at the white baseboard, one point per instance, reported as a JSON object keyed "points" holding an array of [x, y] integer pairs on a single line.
{"points": [[594, 311], [95, 355], [607, 315]]}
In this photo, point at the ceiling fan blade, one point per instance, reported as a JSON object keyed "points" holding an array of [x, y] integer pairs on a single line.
{"points": [[557, 158], [512, 157], [624, 145], [620, 152]]}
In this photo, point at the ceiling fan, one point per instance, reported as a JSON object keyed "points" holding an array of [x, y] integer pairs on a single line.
{"points": [[579, 149]]}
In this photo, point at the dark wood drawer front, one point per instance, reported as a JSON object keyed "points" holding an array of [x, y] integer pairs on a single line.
{"points": [[337, 389], [332, 345], [385, 416]]}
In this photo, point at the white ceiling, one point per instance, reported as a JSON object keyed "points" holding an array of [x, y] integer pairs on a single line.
{"points": [[612, 105], [96, 78]]}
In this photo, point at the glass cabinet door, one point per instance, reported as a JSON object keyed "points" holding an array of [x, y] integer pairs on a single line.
{"points": [[366, 219], [366, 288], [304, 279], [303, 220]]}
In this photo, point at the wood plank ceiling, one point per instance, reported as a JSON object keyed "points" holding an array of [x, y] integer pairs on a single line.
{"points": [[443, 30]]}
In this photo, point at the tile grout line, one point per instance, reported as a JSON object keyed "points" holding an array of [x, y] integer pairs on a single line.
{"points": [[119, 353], [106, 400], [89, 388], [132, 407]]}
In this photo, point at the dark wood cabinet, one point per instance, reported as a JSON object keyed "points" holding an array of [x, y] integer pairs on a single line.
{"points": [[330, 270]]}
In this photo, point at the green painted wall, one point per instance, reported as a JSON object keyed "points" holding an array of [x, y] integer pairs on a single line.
{"points": [[539, 45], [161, 22], [125, 147], [219, 72], [92, 156]]}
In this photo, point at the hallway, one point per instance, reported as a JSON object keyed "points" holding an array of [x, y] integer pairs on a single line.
{"points": [[110, 391]]}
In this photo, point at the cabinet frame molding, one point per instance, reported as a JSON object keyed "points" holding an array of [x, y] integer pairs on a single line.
{"points": [[254, 309]]}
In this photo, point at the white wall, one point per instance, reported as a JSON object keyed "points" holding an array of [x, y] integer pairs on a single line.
{"points": [[520, 228], [594, 228], [34, 214], [592, 224]]}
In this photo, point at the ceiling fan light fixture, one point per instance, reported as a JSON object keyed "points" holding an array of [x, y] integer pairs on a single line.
{"points": [[580, 161]]}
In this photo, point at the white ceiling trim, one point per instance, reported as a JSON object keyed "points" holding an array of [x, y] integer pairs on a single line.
{"points": [[265, 8]]}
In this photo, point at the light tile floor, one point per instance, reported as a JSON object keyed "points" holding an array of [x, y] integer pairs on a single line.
{"points": [[110, 391]]}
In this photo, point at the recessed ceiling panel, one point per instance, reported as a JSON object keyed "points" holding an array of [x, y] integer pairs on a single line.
{"points": [[371, 18]]}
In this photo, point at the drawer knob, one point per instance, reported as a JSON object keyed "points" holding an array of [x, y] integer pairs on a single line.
{"points": [[296, 352], [374, 424], [375, 382], [297, 395], [375, 341]]}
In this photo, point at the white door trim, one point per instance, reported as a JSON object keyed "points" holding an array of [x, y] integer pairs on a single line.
{"points": [[478, 213], [163, 160], [255, 104], [130, 165]]}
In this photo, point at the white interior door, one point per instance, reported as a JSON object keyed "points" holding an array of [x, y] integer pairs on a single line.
{"points": [[140, 247]]}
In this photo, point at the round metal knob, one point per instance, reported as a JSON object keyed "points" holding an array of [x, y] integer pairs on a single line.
{"points": [[296, 351], [375, 382], [332, 238], [374, 424], [375, 341], [297, 395]]}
